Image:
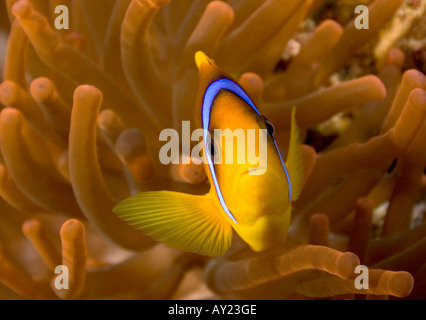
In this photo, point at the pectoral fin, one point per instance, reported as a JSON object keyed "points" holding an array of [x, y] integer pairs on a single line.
{"points": [[187, 222]]}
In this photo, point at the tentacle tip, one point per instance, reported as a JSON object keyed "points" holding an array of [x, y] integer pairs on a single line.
{"points": [[346, 264], [107, 119], [332, 24], [75, 40], [86, 89], [10, 115], [401, 284], [72, 229], [8, 92], [41, 88], [365, 204], [31, 226], [378, 86], [21, 8], [414, 78], [418, 97], [395, 57], [87, 94], [189, 173], [195, 174], [319, 218], [223, 8]]}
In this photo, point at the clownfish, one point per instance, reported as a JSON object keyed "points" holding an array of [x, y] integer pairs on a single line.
{"points": [[256, 206]]}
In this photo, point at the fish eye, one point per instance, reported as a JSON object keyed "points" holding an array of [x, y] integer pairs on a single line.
{"points": [[270, 127], [266, 124]]}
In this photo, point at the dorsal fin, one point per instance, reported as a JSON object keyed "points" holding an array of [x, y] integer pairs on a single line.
{"points": [[294, 161]]}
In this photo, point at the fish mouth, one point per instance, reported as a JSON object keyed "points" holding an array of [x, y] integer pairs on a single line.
{"points": [[255, 171], [242, 174], [251, 172]]}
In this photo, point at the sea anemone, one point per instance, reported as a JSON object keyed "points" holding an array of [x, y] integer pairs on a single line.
{"points": [[82, 110]]}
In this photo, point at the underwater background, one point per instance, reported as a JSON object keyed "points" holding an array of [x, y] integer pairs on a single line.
{"points": [[82, 110]]}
